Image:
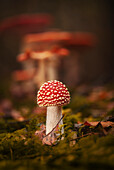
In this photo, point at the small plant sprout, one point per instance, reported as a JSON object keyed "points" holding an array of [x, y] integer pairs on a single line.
{"points": [[53, 94]]}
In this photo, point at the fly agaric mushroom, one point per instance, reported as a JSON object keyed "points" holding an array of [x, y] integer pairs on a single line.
{"points": [[53, 94], [22, 24], [50, 44], [71, 41], [77, 44]]}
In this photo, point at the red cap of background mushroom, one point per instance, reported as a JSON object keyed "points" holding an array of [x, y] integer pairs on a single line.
{"points": [[21, 75], [55, 36], [26, 23], [23, 56], [53, 93]]}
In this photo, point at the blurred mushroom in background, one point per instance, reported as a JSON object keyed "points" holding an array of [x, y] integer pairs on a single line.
{"points": [[20, 25], [24, 78], [78, 44], [26, 23], [54, 46], [6, 107], [48, 53]]}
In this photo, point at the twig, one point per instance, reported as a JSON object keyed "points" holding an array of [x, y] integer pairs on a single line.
{"points": [[85, 136]]}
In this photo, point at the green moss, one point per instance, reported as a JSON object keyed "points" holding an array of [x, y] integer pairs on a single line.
{"points": [[20, 148], [80, 104], [111, 112]]}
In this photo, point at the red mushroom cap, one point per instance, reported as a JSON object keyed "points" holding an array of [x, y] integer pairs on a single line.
{"points": [[26, 23], [53, 93], [21, 75], [23, 56]]}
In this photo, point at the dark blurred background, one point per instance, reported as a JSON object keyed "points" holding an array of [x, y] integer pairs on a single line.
{"points": [[94, 16]]}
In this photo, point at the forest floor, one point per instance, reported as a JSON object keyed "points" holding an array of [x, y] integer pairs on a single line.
{"points": [[87, 142]]}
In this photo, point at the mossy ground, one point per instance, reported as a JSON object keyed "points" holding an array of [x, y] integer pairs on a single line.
{"points": [[83, 148]]}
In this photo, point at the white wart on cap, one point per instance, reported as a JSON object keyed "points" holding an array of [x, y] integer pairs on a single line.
{"points": [[53, 93]]}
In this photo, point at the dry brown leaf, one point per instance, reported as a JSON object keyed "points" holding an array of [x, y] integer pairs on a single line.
{"points": [[104, 124]]}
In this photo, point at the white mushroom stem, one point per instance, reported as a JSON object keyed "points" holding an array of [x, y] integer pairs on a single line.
{"points": [[40, 77], [54, 114], [52, 67], [40, 74]]}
